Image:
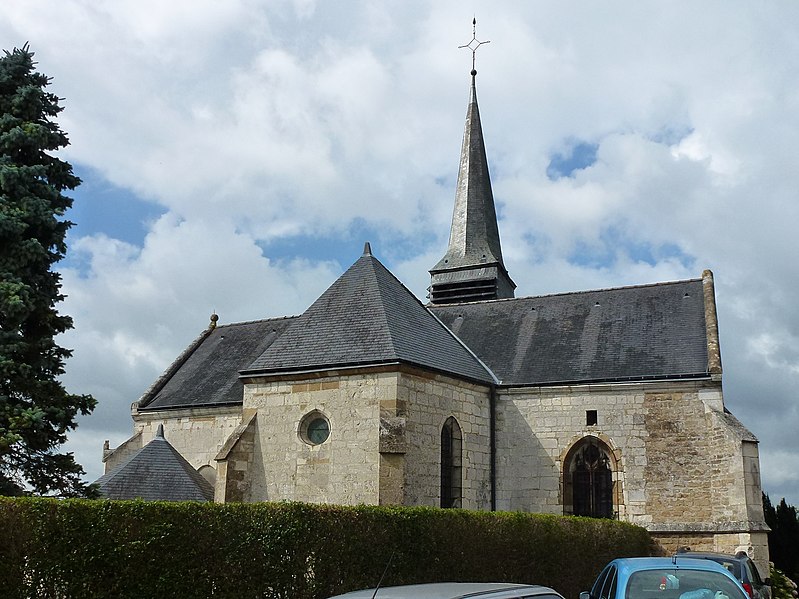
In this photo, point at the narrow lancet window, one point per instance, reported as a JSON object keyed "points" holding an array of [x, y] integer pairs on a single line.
{"points": [[451, 464]]}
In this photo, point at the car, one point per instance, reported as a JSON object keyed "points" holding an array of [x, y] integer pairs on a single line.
{"points": [[741, 566], [456, 590], [675, 577]]}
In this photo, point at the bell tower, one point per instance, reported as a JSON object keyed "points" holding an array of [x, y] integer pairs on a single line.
{"points": [[472, 269]]}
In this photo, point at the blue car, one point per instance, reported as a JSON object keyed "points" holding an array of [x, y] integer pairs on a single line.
{"points": [[664, 578]]}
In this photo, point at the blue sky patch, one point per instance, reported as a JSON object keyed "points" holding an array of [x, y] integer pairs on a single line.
{"points": [[99, 206], [671, 135], [345, 248], [613, 243], [578, 156]]}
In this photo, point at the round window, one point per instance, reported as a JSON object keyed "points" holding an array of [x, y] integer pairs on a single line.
{"points": [[315, 428]]}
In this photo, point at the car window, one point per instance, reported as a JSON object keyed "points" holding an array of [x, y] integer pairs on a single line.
{"points": [[734, 566], [681, 583], [596, 590], [754, 575], [608, 588]]}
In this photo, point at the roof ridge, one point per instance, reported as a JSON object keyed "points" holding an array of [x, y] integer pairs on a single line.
{"points": [[565, 293], [258, 320], [373, 262]]}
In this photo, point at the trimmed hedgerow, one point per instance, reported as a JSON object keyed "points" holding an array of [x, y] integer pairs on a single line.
{"points": [[133, 549]]}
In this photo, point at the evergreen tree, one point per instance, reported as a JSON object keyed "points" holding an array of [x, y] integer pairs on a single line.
{"points": [[783, 540], [36, 412]]}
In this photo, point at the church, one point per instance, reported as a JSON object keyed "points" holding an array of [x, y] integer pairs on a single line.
{"points": [[602, 403]]}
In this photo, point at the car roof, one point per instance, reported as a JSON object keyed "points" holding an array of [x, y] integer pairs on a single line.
{"points": [[714, 554], [633, 564], [450, 590]]}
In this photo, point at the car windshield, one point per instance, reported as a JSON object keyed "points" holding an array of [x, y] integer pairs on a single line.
{"points": [[681, 584]]}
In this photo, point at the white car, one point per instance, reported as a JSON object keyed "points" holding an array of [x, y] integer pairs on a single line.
{"points": [[456, 590]]}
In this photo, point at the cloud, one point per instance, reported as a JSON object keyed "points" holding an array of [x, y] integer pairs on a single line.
{"points": [[253, 127]]}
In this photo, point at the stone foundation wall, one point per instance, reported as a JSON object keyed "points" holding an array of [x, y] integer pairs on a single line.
{"points": [[755, 544]]}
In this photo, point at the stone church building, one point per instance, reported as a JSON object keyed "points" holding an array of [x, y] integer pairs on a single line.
{"points": [[604, 403]]}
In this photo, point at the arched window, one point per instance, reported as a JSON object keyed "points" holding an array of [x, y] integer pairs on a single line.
{"points": [[588, 480], [451, 461]]}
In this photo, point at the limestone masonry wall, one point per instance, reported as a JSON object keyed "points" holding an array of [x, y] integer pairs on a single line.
{"points": [[430, 400], [197, 433], [344, 469]]}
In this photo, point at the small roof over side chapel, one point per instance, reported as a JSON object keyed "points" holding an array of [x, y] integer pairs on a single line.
{"points": [[156, 472]]}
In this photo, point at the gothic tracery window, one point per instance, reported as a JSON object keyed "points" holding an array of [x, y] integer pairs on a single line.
{"points": [[589, 480], [451, 464]]}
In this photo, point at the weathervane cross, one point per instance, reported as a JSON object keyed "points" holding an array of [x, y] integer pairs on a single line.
{"points": [[474, 44]]}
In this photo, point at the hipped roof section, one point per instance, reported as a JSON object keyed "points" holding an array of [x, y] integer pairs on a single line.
{"points": [[365, 318]]}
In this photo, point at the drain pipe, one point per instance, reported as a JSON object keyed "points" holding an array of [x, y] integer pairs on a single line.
{"points": [[492, 436]]}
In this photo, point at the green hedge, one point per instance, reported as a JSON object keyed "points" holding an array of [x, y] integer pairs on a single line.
{"points": [[120, 549]]}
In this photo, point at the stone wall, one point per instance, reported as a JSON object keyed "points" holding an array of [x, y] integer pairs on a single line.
{"points": [[431, 399], [197, 433], [345, 468], [385, 438], [683, 467]]}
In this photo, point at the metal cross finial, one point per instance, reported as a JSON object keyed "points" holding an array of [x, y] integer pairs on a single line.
{"points": [[474, 44]]}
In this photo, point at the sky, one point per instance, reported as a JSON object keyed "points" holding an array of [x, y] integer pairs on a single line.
{"points": [[236, 155]]}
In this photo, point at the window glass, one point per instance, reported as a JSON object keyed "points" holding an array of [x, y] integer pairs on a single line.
{"points": [[754, 575], [609, 588], [451, 464], [314, 428], [596, 590], [681, 583]]}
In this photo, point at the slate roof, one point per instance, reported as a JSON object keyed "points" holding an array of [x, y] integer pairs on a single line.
{"points": [[156, 472], [208, 372], [367, 317], [631, 333]]}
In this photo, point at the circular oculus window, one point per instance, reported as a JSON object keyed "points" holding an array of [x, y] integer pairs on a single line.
{"points": [[314, 429]]}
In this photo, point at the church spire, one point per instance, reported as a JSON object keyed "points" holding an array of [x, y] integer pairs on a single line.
{"points": [[472, 269]]}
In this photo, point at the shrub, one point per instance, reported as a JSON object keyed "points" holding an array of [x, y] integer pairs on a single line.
{"points": [[132, 549]]}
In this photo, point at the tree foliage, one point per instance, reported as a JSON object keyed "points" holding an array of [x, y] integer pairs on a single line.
{"points": [[36, 412], [783, 540]]}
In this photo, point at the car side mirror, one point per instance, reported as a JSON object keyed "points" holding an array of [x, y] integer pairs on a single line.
{"points": [[585, 595]]}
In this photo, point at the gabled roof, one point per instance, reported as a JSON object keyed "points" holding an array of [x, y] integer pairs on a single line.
{"points": [[207, 373], [367, 317], [156, 472], [631, 333]]}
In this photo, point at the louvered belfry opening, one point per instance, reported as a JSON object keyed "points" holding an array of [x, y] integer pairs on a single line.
{"points": [[467, 291]]}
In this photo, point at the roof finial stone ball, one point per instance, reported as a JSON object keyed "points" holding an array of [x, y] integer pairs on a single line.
{"points": [[214, 319]]}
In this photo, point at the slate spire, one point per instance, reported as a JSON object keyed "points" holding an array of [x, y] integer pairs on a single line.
{"points": [[472, 269]]}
